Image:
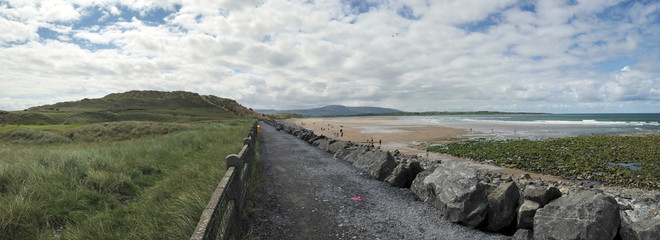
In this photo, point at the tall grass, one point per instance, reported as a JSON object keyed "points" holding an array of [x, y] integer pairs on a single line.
{"points": [[148, 188]]}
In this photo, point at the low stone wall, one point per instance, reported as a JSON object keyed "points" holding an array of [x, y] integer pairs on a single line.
{"points": [[522, 207]]}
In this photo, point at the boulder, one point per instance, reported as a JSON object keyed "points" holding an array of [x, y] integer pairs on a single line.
{"points": [[502, 203], [585, 215], [334, 147], [350, 154], [378, 164], [297, 132], [644, 229], [404, 174], [324, 143], [307, 135], [526, 214], [314, 139], [541, 195], [523, 234], [455, 189]]}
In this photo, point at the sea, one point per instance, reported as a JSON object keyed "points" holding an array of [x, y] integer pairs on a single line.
{"points": [[543, 126]]}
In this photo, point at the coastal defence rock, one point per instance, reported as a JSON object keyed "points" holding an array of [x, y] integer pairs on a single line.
{"points": [[307, 135], [323, 143], [645, 229], [502, 203], [526, 214], [523, 234], [455, 189], [378, 164], [541, 195], [313, 140], [336, 146], [404, 174], [585, 215], [351, 153]]}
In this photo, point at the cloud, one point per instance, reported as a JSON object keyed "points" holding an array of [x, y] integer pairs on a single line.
{"points": [[412, 55]]}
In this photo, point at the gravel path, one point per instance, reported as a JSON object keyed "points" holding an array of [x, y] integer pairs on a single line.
{"points": [[307, 195]]}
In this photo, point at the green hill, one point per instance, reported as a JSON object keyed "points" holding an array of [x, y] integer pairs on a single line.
{"points": [[178, 106]]}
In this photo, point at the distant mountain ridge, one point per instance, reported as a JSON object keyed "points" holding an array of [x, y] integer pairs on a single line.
{"points": [[334, 110]]}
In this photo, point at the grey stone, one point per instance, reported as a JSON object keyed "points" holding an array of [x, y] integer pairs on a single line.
{"points": [[334, 147], [455, 189], [502, 203], [320, 141], [378, 164], [350, 154], [541, 195], [585, 215], [526, 214], [311, 141], [404, 174], [307, 135], [645, 229], [523, 234], [323, 144]]}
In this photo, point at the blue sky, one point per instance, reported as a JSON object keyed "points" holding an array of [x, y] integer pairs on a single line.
{"points": [[417, 55]]}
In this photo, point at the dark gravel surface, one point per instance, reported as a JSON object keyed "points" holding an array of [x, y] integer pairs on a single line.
{"points": [[307, 195]]}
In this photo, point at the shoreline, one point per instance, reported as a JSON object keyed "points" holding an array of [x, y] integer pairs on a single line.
{"points": [[636, 204], [390, 134]]}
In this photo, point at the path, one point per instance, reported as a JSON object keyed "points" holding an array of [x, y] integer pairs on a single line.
{"points": [[307, 195]]}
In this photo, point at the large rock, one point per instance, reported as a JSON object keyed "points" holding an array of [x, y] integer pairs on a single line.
{"points": [[455, 189], [526, 214], [323, 143], [320, 141], [502, 203], [350, 154], [378, 164], [523, 234], [645, 229], [404, 174], [307, 135], [334, 147], [541, 195], [585, 215], [312, 140]]}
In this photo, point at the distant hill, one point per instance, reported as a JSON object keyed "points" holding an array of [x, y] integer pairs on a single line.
{"points": [[335, 110], [178, 106]]}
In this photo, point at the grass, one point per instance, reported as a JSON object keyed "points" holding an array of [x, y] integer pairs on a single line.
{"points": [[138, 180], [623, 160], [154, 106]]}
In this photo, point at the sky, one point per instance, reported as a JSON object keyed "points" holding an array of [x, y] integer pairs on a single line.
{"points": [[575, 56]]}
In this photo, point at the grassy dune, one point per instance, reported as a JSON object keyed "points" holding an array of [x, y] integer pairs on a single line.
{"points": [[623, 160], [120, 180]]}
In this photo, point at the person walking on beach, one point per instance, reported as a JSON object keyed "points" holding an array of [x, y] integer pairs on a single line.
{"points": [[342, 132]]}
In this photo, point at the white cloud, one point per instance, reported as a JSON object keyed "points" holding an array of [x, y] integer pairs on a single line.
{"points": [[12, 31], [55, 10], [458, 55]]}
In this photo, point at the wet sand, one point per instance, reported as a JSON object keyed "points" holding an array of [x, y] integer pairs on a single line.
{"points": [[410, 138]]}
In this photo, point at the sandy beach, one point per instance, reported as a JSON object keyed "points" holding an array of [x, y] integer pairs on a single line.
{"points": [[394, 133]]}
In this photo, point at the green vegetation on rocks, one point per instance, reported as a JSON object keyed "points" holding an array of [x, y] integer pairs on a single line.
{"points": [[624, 160]]}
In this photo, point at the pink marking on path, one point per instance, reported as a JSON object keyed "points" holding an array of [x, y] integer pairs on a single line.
{"points": [[357, 198]]}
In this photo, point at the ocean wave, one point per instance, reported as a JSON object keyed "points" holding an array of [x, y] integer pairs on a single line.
{"points": [[590, 122]]}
